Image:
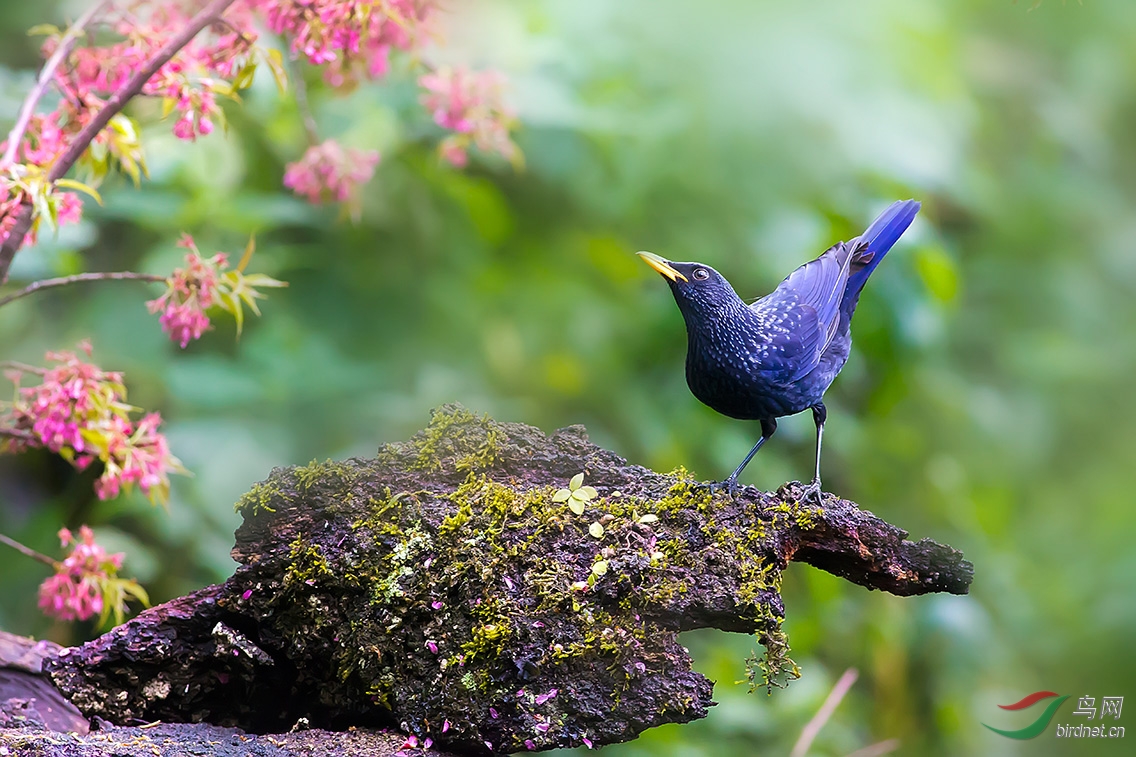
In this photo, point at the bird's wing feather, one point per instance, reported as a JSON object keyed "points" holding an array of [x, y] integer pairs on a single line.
{"points": [[808, 301]]}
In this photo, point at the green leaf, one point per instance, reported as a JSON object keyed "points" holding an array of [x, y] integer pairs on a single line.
{"points": [[600, 567], [587, 492], [41, 30], [576, 481], [275, 62], [237, 311], [250, 248], [263, 280], [648, 518], [596, 530], [249, 297], [561, 495], [576, 506], [244, 78], [126, 127], [134, 589], [80, 187], [46, 208]]}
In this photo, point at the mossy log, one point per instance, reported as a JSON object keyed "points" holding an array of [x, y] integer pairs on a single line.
{"points": [[446, 589]]}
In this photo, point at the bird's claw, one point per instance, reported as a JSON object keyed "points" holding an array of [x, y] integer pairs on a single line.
{"points": [[812, 492], [730, 485]]}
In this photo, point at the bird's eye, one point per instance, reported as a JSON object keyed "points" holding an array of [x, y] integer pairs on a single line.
{"points": [[701, 274]]}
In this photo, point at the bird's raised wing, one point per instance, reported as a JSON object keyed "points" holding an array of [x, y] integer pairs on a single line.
{"points": [[803, 313]]}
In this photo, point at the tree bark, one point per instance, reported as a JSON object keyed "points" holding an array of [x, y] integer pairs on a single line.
{"points": [[440, 589]]}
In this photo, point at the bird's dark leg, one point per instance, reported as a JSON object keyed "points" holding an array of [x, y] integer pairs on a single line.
{"points": [[812, 491], [731, 483]]}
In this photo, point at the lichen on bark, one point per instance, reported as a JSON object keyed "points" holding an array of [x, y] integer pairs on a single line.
{"points": [[440, 588]]}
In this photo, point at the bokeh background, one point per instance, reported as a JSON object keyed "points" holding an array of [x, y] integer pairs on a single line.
{"points": [[988, 402]]}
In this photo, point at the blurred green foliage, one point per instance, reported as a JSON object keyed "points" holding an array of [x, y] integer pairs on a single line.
{"points": [[987, 403]]}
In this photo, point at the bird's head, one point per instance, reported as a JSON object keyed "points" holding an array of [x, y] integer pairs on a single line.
{"points": [[697, 288]]}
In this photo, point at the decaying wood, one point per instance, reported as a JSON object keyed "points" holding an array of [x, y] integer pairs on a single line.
{"points": [[442, 590], [204, 740], [27, 698]]}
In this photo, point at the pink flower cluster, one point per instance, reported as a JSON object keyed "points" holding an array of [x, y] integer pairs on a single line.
{"points": [[68, 209], [187, 81], [352, 38], [140, 457], [191, 291], [79, 412], [75, 592], [329, 171], [470, 104], [9, 205], [44, 141]]}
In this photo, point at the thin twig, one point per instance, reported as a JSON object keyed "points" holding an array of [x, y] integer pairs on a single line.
{"points": [[14, 365], [211, 14], [45, 78], [300, 92], [29, 552], [812, 728], [878, 749], [35, 286]]}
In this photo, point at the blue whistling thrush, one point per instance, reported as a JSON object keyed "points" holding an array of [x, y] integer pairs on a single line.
{"points": [[777, 356]]}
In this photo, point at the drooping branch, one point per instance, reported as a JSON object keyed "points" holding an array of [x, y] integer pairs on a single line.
{"points": [[46, 76], [36, 286], [209, 15], [24, 550], [443, 589]]}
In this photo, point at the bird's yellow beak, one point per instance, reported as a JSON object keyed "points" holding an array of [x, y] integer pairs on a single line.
{"points": [[661, 266]]}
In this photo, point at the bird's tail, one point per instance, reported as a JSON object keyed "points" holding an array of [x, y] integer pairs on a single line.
{"points": [[871, 246]]}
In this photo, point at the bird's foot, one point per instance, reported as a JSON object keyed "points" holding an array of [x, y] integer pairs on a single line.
{"points": [[730, 485], [812, 492]]}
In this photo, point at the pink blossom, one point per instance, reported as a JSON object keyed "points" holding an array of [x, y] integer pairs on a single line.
{"points": [[80, 412], [187, 81], [453, 152], [329, 171], [141, 458], [44, 139], [353, 40], [184, 322], [74, 592], [70, 207], [190, 292], [183, 129], [470, 104]]}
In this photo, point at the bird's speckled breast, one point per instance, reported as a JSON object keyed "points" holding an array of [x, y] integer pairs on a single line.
{"points": [[733, 367]]}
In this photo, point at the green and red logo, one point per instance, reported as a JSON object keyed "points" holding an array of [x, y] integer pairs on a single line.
{"points": [[1036, 727]]}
